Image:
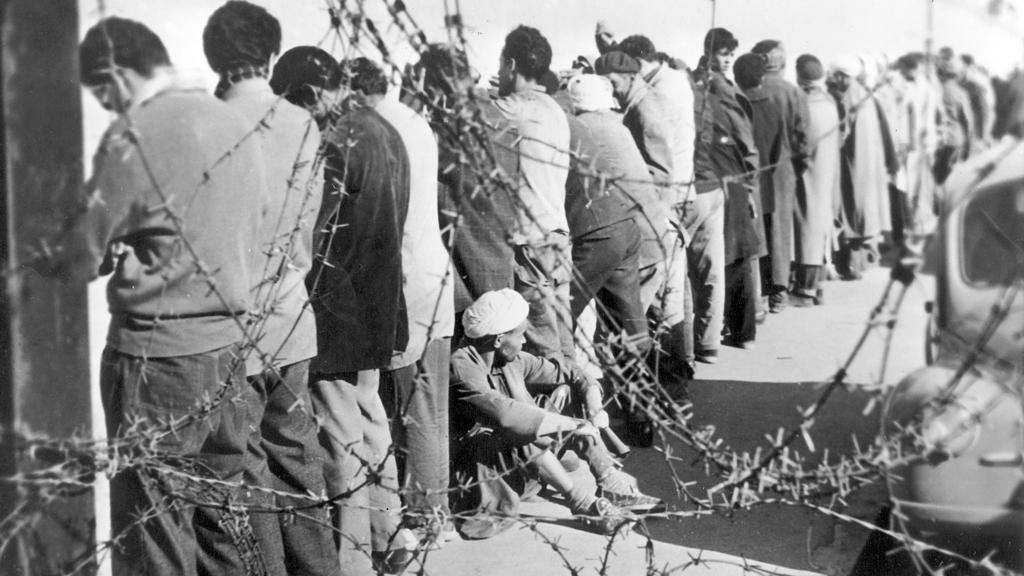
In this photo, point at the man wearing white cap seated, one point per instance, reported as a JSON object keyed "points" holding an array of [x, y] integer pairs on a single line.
{"points": [[503, 439]]}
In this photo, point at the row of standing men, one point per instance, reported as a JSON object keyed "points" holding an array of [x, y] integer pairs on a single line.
{"points": [[221, 222]]}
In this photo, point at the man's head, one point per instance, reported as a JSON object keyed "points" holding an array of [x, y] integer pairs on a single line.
{"points": [[845, 71], [947, 65], [809, 71], [719, 49], [525, 57], [443, 70], [909, 65], [496, 322], [774, 53], [310, 78], [749, 70], [590, 93], [240, 34], [639, 47], [621, 69], [117, 57], [365, 78]]}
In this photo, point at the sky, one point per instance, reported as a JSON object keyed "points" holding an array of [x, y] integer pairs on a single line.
{"points": [[826, 28]]}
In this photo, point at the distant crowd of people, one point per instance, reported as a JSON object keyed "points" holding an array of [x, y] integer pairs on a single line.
{"points": [[322, 286]]}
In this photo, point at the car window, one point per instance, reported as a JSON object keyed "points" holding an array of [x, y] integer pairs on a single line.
{"points": [[993, 236]]}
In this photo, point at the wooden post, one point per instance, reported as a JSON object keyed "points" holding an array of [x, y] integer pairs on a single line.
{"points": [[44, 353]]}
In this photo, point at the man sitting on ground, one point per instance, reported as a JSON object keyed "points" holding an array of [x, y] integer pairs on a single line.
{"points": [[500, 429]]}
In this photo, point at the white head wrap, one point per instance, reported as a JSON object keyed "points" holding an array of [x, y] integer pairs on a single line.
{"points": [[848, 64], [590, 92], [494, 313]]}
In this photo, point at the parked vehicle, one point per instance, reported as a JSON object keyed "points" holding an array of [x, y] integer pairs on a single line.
{"points": [[963, 413]]}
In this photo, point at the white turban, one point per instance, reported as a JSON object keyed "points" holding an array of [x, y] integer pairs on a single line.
{"points": [[590, 92], [494, 313], [848, 64]]}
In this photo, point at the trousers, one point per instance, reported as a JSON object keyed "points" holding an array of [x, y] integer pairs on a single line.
{"points": [[157, 511], [284, 454], [704, 220], [360, 469], [606, 263], [415, 398]]}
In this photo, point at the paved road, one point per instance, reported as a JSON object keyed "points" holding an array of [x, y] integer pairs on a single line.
{"points": [[748, 394]]}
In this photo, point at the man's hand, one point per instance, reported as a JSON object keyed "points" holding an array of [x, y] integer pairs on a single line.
{"points": [[585, 428], [599, 419]]}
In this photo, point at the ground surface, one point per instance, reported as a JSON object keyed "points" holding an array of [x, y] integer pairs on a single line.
{"points": [[748, 394]]}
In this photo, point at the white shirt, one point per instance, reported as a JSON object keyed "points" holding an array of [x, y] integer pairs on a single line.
{"points": [[426, 266]]}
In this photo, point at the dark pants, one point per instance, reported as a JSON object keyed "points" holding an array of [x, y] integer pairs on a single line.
{"points": [[857, 255], [354, 432], [806, 280], [542, 275], [740, 301], [775, 267], [285, 455], [157, 531], [606, 263], [416, 400]]}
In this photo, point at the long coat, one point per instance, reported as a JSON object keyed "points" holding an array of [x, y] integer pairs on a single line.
{"points": [[817, 193], [866, 151], [777, 181]]}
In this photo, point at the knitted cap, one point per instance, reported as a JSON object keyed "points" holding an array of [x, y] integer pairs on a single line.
{"points": [[616, 62]]}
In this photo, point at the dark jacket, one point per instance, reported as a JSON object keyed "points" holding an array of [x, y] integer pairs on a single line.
{"points": [[792, 104], [726, 150], [777, 181], [603, 144], [356, 281], [725, 142]]}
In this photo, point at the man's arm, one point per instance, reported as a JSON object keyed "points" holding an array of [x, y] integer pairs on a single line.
{"points": [[657, 147], [798, 141], [546, 371], [118, 179], [471, 393]]}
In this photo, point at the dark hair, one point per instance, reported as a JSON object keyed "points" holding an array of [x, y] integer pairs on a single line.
{"points": [[719, 39], [239, 34], [303, 69], [364, 75], [910, 61], [550, 82], [639, 47], [119, 42], [765, 46], [530, 50], [748, 70], [967, 59], [443, 66]]}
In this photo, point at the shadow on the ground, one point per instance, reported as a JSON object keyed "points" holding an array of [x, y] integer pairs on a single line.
{"points": [[743, 414]]}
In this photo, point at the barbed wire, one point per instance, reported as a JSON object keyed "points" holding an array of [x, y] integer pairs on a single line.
{"points": [[742, 480]]}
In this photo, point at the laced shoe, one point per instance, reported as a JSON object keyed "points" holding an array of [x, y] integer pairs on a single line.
{"points": [[621, 490], [603, 517]]}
